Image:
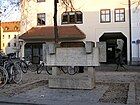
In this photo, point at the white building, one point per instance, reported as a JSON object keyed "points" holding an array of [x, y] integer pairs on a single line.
{"points": [[95, 20]]}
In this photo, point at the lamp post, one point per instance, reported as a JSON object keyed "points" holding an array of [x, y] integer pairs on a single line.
{"points": [[129, 10], [55, 21]]}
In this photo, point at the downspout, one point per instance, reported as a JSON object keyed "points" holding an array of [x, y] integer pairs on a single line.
{"points": [[129, 9]]}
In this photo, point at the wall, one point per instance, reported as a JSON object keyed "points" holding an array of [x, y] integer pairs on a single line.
{"points": [[10, 40], [91, 14], [135, 31]]}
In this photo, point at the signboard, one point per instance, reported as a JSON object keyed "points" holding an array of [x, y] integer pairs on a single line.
{"points": [[136, 42]]}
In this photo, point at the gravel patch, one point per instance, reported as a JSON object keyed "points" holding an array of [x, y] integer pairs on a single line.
{"points": [[116, 93]]}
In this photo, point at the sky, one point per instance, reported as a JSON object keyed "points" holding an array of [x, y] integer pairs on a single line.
{"points": [[10, 10]]}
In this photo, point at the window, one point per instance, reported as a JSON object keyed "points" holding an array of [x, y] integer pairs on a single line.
{"points": [[119, 15], [6, 28], [15, 36], [8, 36], [3, 44], [105, 16], [3, 36], [40, 0], [8, 44], [41, 19], [65, 17], [79, 17], [15, 44], [16, 28], [72, 17]]}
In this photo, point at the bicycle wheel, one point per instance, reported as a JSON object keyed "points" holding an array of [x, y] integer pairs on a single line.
{"points": [[32, 67], [40, 68], [76, 68], [49, 70], [3, 77], [71, 70], [23, 65], [64, 69], [16, 73]]}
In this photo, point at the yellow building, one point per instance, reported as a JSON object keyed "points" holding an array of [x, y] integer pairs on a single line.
{"points": [[9, 36], [0, 33]]}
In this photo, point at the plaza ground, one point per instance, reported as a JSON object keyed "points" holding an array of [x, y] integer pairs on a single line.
{"points": [[120, 87]]}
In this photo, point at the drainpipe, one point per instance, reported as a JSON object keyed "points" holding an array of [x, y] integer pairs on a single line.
{"points": [[129, 9]]}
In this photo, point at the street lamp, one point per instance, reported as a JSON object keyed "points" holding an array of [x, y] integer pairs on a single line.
{"points": [[130, 32]]}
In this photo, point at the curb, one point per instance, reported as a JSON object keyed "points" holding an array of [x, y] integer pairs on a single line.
{"points": [[131, 94]]}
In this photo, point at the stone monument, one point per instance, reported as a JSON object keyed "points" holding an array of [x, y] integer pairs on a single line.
{"points": [[87, 56]]}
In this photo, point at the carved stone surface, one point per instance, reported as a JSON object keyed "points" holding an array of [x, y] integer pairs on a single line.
{"points": [[73, 57]]}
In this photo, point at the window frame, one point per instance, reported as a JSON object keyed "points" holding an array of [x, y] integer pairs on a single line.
{"points": [[6, 28], [9, 36], [106, 14], [15, 44], [119, 14], [71, 17], [3, 44], [38, 1], [15, 36], [41, 15], [9, 45], [16, 28], [3, 36]]}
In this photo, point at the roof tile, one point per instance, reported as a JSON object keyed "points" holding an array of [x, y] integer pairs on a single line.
{"points": [[47, 33]]}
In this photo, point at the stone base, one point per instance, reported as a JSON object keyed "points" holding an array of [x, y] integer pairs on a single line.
{"points": [[77, 81]]}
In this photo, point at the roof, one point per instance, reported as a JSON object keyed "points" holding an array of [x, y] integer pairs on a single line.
{"points": [[47, 33], [11, 26]]}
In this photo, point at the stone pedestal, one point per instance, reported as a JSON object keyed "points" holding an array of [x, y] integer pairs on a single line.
{"points": [[77, 81], [86, 56]]}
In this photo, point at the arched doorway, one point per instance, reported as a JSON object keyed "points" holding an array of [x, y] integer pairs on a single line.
{"points": [[112, 40]]}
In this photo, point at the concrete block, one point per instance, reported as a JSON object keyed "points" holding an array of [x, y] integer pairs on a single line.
{"points": [[73, 57], [102, 51], [72, 82], [52, 48], [89, 46], [55, 71]]}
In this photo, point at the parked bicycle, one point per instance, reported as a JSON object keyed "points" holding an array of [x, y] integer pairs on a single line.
{"points": [[26, 65], [3, 76], [10, 70], [65, 69], [42, 67]]}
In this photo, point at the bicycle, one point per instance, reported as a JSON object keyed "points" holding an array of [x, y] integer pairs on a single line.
{"points": [[12, 68], [41, 67], [26, 65], [73, 70], [65, 69], [3, 76]]}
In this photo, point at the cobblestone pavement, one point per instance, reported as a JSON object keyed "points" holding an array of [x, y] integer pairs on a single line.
{"points": [[34, 89]]}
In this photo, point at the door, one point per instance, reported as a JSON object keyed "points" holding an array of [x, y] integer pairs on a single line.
{"points": [[111, 47], [34, 50]]}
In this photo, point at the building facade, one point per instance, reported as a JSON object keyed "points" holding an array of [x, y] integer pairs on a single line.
{"points": [[9, 36], [99, 20]]}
